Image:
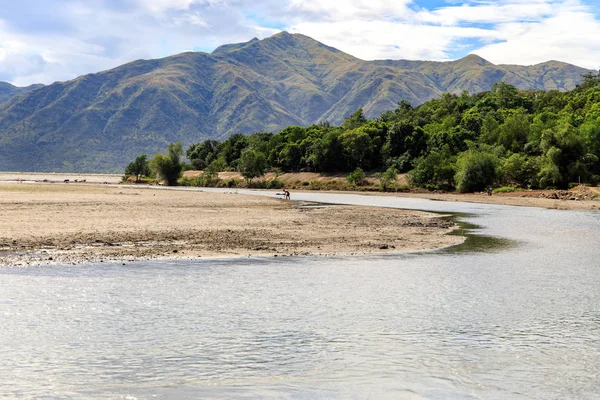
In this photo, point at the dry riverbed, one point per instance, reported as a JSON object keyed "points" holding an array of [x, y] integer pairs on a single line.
{"points": [[77, 223]]}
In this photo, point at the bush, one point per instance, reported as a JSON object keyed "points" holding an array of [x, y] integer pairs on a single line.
{"points": [[522, 170], [231, 183], [168, 166], [507, 189], [316, 185], [276, 184], [475, 170], [357, 177], [388, 178], [435, 171], [260, 184], [550, 176]]}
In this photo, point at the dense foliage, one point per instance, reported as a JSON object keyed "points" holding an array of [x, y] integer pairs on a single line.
{"points": [[529, 139], [168, 167], [138, 168]]}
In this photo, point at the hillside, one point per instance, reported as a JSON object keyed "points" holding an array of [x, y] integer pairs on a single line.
{"points": [[8, 91], [99, 122]]}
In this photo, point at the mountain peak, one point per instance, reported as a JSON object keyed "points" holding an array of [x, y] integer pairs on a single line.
{"points": [[474, 59], [233, 46]]}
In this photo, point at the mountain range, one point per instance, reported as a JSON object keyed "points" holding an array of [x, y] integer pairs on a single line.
{"points": [[99, 122]]}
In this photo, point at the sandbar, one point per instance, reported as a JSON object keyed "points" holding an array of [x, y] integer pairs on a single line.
{"points": [[45, 223]]}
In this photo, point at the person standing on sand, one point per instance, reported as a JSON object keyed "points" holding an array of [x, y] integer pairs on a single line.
{"points": [[286, 194]]}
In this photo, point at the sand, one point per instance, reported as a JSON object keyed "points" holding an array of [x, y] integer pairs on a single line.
{"points": [[82, 223], [526, 198]]}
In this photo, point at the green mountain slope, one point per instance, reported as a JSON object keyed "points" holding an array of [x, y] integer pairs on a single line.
{"points": [[8, 91], [100, 122]]}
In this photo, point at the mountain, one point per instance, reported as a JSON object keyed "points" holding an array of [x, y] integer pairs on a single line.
{"points": [[8, 91], [99, 122]]}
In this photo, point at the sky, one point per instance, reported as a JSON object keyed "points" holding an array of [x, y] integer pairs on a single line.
{"points": [[43, 41]]}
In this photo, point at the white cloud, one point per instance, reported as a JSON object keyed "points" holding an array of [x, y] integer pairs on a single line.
{"points": [[159, 6], [569, 36], [61, 39], [386, 39], [488, 13], [504, 31], [354, 9]]}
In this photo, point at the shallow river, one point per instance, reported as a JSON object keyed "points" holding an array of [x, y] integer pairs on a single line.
{"points": [[514, 316]]}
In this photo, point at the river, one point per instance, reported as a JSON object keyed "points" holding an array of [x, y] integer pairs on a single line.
{"points": [[514, 313]]}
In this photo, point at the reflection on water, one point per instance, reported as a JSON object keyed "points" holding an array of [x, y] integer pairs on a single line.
{"points": [[521, 321], [474, 241]]}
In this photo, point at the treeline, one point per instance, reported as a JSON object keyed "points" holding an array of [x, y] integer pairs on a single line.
{"points": [[504, 137]]}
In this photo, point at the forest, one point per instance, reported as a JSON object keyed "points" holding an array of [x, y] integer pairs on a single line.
{"points": [[505, 137]]}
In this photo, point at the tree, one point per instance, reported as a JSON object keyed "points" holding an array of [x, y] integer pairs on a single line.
{"points": [[519, 169], [475, 170], [388, 178], [202, 154], [168, 167], [434, 171], [233, 147], [357, 148], [138, 168], [252, 164], [355, 120], [515, 131], [290, 156]]}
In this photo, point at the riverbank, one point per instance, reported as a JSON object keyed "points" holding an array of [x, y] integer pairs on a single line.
{"points": [[578, 198], [79, 223], [581, 198]]}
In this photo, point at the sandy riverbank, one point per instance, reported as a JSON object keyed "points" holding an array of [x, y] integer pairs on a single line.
{"points": [[75, 223], [526, 198]]}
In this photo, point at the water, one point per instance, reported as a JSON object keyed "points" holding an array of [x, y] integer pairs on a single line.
{"points": [[516, 317]]}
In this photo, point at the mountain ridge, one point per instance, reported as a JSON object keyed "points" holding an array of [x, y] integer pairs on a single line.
{"points": [[100, 121]]}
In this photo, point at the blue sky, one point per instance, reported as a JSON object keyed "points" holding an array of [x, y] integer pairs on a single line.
{"points": [[42, 41]]}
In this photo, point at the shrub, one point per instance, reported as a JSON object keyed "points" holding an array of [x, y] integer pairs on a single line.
{"points": [[230, 183], [276, 184], [475, 170], [507, 189], [435, 171], [388, 178], [357, 177], [550, 175]]}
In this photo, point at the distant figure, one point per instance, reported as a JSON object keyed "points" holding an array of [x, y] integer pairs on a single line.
{"points": [[286, 194], [490, 191], [66, 181]]}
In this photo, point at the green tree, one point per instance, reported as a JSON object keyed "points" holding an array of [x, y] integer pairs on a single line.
{"points": [[138, 168], [515, 131], [290, 156], [202, 154], [475, 170], [232, 149], [521, 170], [357, 148], [252, 164], [357, 119], [388, 178], [168, 166], [434, 171]]}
